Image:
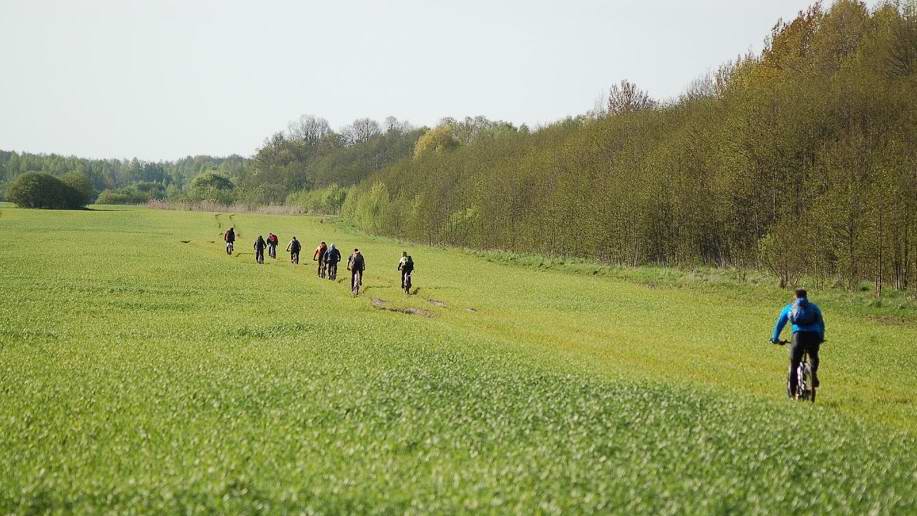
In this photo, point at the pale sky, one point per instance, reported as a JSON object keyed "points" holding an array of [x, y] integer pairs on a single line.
{"points": [[162, 79]]}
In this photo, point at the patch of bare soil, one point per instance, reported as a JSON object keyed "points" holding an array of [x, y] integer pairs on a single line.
{"points": [[380, 304]]}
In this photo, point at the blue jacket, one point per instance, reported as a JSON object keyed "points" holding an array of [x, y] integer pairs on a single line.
{"points": [[817, 327]]}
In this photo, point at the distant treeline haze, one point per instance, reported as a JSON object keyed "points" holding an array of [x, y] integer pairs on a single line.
{"points": [[801, 159], [309, 164]]}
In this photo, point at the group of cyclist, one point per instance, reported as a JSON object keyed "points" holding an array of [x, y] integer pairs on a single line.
{"points": [[805, 318], [327, 257], [270, 244]]}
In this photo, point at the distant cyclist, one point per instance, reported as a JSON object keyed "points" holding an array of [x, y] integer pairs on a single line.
{"points": [[406, 266], [332, 257], [319, 256], [293, 248], [356, 265], [808, 334], [229, 237], [272, 242], [260, 244]]}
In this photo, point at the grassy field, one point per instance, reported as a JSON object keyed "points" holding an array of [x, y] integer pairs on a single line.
{"points": [[142, 369]]}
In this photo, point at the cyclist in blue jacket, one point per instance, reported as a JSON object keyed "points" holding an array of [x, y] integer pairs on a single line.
{"points": [[808, 334]]}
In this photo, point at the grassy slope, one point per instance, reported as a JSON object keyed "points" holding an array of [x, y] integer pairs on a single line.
{"points": [[140, 371]]}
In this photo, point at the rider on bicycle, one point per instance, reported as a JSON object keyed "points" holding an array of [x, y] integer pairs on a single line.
{"points": [[293, 248], [808, 334], [406, 266], [272, 242], [332, 257], [259, 246], [356, 264], [319, 256], [229, 237]]}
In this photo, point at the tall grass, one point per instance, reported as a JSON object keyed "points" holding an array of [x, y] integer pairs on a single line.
{"points": [[273, 209]]}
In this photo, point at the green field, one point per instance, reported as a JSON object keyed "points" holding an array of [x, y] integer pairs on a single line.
{"points": [[142, 369]]}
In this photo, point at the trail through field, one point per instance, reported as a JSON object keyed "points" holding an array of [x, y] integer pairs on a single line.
{"points": [[155, 376], [235, 224]]}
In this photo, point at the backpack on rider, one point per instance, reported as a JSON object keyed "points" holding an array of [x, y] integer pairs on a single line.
{"points": [[802, 313], [407, 270]]}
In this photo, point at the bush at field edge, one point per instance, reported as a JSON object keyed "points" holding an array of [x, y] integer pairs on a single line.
{"points": [[38, 190]]}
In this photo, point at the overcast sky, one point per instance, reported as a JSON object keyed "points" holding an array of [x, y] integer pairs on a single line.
{"points": [[162, 79]]}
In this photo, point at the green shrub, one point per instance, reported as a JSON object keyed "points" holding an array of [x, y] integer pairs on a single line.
{"points": [[81, 184], [212, 187], [128, 195], [211, 181], [37, 190], [324, 201]]}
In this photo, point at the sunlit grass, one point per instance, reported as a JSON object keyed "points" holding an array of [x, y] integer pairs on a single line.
{"points": [[142, 372]]}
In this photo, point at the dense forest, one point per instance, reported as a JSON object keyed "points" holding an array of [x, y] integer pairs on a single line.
{"points": [[801, 159]]}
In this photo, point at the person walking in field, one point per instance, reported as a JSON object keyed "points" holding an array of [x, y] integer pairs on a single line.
{"points": [[272, 242], [808, 334], [319, 256], [332, 257], [356, 265], [293, 248], [406, 266], [229, 237], [260, 244]]}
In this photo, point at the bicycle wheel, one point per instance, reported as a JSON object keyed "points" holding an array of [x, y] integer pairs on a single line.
{"points": [[810, 381], [804, 387], [357, 280]]}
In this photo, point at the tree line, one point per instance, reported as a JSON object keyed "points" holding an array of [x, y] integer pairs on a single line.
{"points": [[113, 181], [801, 159], [308, 164]]}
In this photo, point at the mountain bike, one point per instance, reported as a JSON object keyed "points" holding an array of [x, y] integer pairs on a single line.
{"points": [[229, 247], [407, 282], [805, 388]]}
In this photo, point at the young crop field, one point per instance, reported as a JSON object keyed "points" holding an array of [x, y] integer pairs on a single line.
{"points": [[144, 370]]}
